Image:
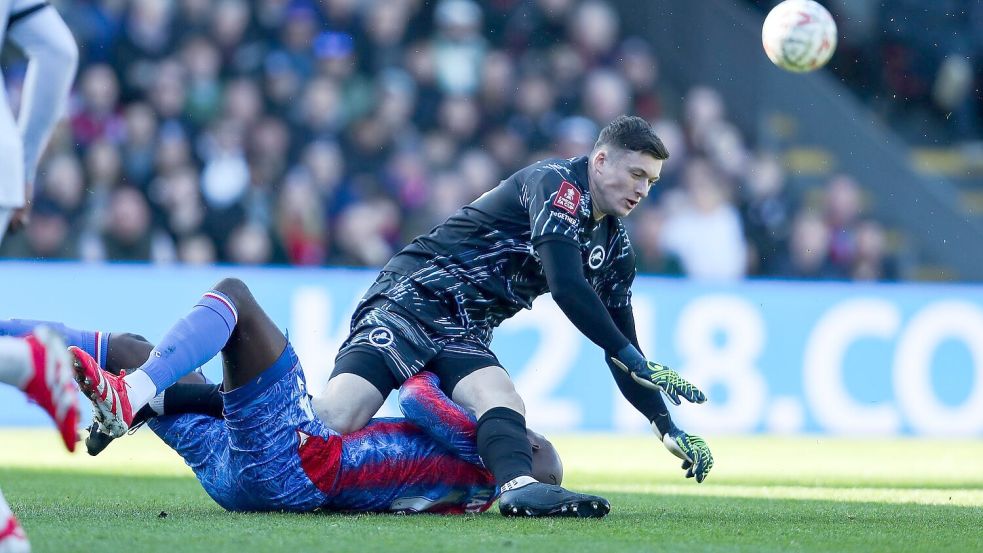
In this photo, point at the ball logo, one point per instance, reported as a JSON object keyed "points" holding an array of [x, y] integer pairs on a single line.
{"points": [[380, 337], [596, 258]]}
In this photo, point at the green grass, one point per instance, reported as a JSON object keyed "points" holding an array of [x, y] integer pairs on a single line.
{"points": [[765, 494]]}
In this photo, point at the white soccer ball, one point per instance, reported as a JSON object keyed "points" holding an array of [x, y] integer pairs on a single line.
{"points": [[799, 35]]}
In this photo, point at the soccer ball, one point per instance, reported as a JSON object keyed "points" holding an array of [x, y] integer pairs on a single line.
{"points": [[799, 35]]}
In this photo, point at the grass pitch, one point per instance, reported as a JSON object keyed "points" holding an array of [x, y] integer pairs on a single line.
{"points": [[765, 494]]}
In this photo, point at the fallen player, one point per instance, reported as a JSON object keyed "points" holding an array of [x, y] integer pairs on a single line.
{"points": [[269, 452]]}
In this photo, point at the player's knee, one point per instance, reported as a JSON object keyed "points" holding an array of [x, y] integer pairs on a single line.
{"points": [[341, 419], [481, 394], [127, 351], [514, 402], [505, 396], [233, 288], [237, 291]]}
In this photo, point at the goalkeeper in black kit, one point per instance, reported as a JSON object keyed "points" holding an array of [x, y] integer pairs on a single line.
{"points": [[551, 227]]}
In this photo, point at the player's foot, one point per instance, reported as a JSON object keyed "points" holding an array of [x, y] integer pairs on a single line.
{"points": [[51, 386], [98, 440], [106, 391], [12, 536], [547, 500]]}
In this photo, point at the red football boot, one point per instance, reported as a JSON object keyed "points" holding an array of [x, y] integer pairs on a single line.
{"points": [[51, 386], [111, 405]]}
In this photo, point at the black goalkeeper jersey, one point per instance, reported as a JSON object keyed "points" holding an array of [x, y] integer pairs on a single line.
{"points": [[479, 267]]}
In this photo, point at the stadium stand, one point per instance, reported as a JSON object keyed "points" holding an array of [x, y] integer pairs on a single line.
{"points": [[332, 132]]}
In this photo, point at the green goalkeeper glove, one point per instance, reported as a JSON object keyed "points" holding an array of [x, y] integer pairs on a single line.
{"points": [[656, 376], [692, 449]]}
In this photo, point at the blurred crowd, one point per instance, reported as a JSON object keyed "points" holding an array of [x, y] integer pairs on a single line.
{"points": [[917, 63], [332, 132]]}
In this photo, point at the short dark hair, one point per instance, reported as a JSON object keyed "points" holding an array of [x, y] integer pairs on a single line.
{"points": [[634, 134]]}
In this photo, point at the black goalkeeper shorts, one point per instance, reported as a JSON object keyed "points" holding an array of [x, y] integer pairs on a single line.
{"points": [[392, 345]]}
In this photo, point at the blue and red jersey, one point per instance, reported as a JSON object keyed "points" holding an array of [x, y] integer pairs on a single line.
{"points": [[271, 453]]}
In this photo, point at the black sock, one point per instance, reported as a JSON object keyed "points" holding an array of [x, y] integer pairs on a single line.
{"points": [[503, 445], [193, 398], [143, 415]]}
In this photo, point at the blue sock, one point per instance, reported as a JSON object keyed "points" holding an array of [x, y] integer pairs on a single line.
{"points": [[94, 343], [193, 340]]}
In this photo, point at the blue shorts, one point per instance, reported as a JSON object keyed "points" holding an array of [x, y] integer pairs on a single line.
{"points": [[249, 460]]}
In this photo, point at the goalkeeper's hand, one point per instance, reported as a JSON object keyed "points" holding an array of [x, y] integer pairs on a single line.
{"points": [[657, 377], [693, 450]]}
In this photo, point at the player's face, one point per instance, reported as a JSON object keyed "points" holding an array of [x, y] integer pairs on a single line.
{"points": [[620, 179]]}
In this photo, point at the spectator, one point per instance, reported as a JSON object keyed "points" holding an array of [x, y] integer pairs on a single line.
{"points": [[766, 213], [651, 256], [127, 236], [872, 261], [808, 253], [250, 244], [459, 46], [703, 229], [97, 114], [300, 221], [843, 205]]}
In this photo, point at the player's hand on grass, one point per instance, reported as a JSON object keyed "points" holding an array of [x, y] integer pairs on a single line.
{"points": [[657, 377], [693, 450]]}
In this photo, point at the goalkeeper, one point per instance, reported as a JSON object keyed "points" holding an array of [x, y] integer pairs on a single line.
{"points": [[554, 226]]}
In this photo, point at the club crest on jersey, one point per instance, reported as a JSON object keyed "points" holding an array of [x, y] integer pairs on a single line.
{"points": [[596, 258], [567, 198], [381, 337]]}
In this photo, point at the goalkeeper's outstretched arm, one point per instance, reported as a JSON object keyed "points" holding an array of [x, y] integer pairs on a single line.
{"points": [[693, 450], [652, 406]]}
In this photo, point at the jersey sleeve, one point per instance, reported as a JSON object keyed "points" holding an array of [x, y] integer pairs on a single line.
{"points": [[454, 427], [553, 203], [614, 287]]}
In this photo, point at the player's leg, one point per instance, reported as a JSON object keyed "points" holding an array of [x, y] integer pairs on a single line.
{"points": [[225, 319], [192, 394], [472, 376], [384, 349], [40, 33], [356, 390], [454, 427], [255, 343], [12, 536], [39, 365], [94, 342]]}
